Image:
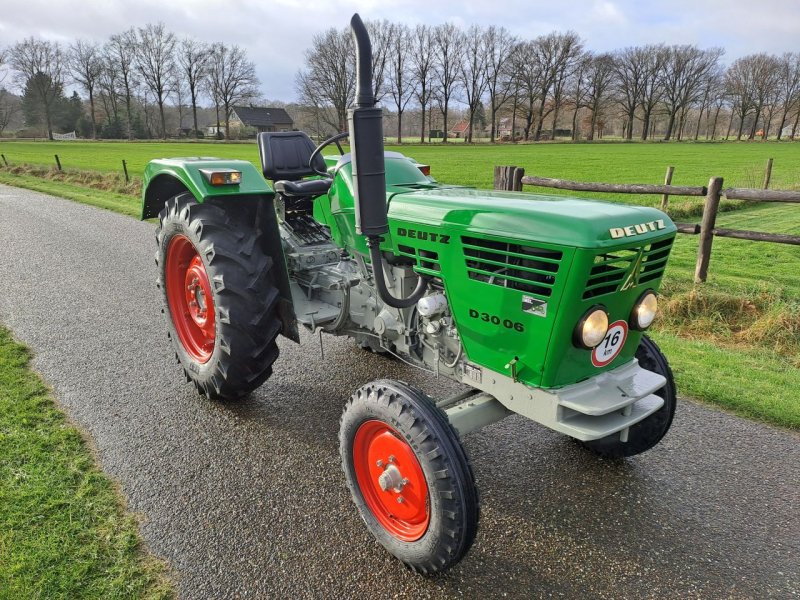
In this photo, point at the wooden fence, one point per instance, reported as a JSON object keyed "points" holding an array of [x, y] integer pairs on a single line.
{"points": [[513, 178]]}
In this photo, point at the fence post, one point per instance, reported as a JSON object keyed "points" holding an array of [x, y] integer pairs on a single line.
{"points": [[767, 174], [519, 173], [5, 160], [58, 162], [498, 177], [125, 170], [707, 229], [667, 181]]}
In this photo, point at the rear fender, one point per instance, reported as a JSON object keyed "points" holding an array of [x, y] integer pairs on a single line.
{"points": [[166, 178]]}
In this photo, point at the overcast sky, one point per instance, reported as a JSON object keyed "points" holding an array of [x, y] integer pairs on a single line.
{"points": [[276, 32]]}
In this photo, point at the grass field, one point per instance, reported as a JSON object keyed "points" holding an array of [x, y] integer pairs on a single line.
{"points": [[742, 326], [63, 530]]}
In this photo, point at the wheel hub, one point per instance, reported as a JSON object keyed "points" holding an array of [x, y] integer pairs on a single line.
{"points": [[190, 300], [391, 480]]}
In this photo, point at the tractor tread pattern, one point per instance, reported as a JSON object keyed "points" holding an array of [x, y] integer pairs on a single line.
{"points": [[245, 298]]}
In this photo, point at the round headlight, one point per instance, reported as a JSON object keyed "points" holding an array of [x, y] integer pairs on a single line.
{"points": [[644, 311], [592, 328]]}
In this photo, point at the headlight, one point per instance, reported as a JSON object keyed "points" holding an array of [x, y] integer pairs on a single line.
{"points": [[592, 328], [644, 311]]}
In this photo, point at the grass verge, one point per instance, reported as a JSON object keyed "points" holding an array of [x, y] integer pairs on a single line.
{"points": [[63, 530], [85, 187]]}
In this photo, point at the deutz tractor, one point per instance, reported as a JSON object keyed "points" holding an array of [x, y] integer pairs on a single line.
{"points": [[536, 304]]}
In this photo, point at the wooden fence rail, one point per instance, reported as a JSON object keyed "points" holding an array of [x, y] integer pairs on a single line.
{"points": [[513, 178]]}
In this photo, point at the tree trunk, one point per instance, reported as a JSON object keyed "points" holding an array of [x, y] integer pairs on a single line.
{"points": [[399, 126], [699, 119], [227, 110], [444, 130], [91, 110], [422, 127], [670, 125], [783, 121], [629, 125], [48, 121], [469, 131], [645, 124], [575, 124], [796, 123], [163, 118], [494, 123], [555, 122], [741, 128], [714, 126], [730, 125], [755, 124], [129, 117], [594, 123], [514, 120]]}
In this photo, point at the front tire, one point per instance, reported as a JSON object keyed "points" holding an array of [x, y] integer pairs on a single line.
{"points": [[220, 303], [649, 432], [409, 475]]}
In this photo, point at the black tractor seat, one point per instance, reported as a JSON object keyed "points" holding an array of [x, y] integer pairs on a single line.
{"points": [[308, 188]]}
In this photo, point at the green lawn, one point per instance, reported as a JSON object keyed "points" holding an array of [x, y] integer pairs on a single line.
{"points": [[748, 311], [63, 529]]}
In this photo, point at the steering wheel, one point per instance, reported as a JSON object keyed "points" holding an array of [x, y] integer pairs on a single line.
{"points": [[322, 146]]}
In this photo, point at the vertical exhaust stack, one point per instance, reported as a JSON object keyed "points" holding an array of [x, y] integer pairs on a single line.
{"points": [[369, 174], [366, 139]]}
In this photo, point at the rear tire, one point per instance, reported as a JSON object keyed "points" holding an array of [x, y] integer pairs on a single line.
{"points": [[220, 303], [409, 475], [647, 433]]}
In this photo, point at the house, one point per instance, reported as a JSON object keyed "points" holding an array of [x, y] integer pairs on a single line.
{"points": [[504, 128], [460, 129], [255, 119]]}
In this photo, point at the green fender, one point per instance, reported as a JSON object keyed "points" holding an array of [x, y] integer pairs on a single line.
{"points": [[167, 177]]}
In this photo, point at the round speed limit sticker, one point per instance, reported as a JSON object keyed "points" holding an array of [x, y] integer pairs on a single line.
{"points": [[611, 345]]}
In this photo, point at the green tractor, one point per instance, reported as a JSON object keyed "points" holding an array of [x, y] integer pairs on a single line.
{"points": [[536, 304]]}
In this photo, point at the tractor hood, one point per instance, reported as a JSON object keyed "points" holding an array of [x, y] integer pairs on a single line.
{"points": [[554, 219]]}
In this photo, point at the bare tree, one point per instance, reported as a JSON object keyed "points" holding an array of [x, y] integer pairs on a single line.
{"points": [[599, 77], [86, 65], [380, 35], [528, 75], [473, 72], [789, 86], [631, 71], [193, 57], [683, 75], [448, 43], [422, 69], [41, 66], [108, 84], [554, 54], [739, 85], [234, 78], [578, 87], [155, 62], [654, 57], [498, 43], [401, 87], [329, 79], [120, 52]]}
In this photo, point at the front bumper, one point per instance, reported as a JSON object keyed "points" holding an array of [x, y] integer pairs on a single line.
{"points": [[608, 403]]}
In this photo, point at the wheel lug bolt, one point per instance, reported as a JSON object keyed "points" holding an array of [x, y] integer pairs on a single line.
{"points": [[400, 499], [379, 463], [392, 458]]}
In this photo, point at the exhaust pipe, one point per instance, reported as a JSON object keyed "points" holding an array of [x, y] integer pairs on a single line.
{"points": [[369, 175]]}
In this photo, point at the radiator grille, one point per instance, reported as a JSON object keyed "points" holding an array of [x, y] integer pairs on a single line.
{"points": [[517, 266], [621, 269]]}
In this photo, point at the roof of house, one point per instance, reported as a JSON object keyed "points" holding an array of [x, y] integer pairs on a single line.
{"points": [[262, 117], [460, 127]]}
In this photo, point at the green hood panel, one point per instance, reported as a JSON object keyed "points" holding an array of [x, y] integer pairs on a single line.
{"points": [[550, 219]]}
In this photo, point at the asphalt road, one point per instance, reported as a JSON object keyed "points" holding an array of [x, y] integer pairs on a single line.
{"points": [[248, 500]]}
